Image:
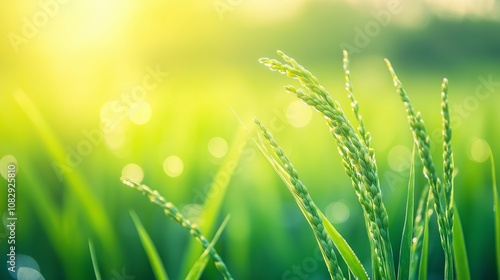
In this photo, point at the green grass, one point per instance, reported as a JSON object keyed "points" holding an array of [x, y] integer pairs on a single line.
{"points": [[174, 214], [151, 252], [353, 142]]}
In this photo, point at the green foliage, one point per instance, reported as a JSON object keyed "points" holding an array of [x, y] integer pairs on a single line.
{"points": [[289, 175], [496, 209], [200, 264], [149, 247], [359, 162], [93, 256], [357, 157], [174, 214], [406, 240]]}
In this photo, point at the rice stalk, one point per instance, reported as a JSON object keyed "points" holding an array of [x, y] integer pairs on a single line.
{"points": [[419, 227], [357, 158], [305, 202], [441, 192], [174, 214]]}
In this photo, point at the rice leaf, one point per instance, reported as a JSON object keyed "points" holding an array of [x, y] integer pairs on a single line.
{"points": [[459, 249], [201, 263], [149, 248], [406, 240], [211, 208], [355, 266], [418, 233], [94, 212], [424, 257], [496, 209], [93, 256], [357, 158], [284, 168], [172, 212]]}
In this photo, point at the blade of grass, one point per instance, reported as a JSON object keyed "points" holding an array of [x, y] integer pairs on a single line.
{"points": [[459, 249], [93, 257], [355, 266], [212, 205], [201, 263], [406, 240], [424, 257], [94, 211], [418, 232], [46, 208], [173, 213], [149, 248], [496, 209], [289, 175]]}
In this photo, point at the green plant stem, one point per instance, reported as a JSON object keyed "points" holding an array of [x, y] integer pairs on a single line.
{"points": [[173, 213]]}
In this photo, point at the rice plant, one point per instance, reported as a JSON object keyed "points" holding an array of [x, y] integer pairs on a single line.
{"points": [[172, 212], [358, 158]]}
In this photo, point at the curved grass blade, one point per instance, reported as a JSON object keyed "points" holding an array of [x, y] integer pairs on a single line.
{"points": [[201, 263], [94, 212], [172, 212], [418, 232], [459, 249], [357, 159], [496, 209], [355, 266], [93, 257], [212, 205], [441, 192], [289, 175], [406, 240], [424, 257], [149, 248]]}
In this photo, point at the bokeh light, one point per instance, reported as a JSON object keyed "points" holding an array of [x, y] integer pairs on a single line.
{"points": [[173, 166], [399, 158], [479, 150], [133, 172], [140, 112], [4, 164], [337, 212], [217, 147], [298, 114]]}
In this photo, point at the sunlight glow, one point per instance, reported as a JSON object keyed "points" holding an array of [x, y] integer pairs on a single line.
{"points": [[4, 163], [133, 172], [298, 114], [217, 147], [480, 150], [140, 112], [337, 212], [173, 166], [399, 158]]}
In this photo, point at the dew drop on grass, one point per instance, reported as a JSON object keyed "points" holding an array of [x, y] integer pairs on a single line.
{"points": [[173, 166]]}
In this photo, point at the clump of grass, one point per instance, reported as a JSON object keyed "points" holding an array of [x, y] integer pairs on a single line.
{"points": [[359, 162], [174, 214]]}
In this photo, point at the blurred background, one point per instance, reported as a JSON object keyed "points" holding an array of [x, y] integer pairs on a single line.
{"points": [[154, 90]]}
